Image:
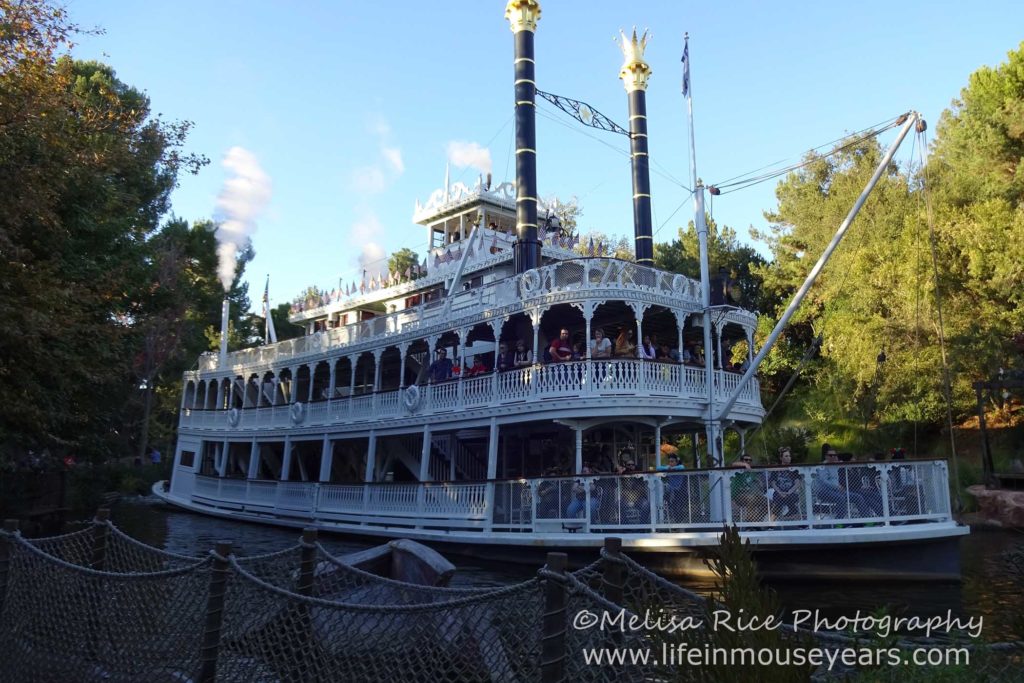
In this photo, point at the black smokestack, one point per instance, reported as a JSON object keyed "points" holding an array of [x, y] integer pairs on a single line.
{"points": [[523, 16], [634, 74]]}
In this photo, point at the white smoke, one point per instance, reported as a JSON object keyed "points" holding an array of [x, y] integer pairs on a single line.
{"points": [[241, 201], [364, 235], [463, 154]]}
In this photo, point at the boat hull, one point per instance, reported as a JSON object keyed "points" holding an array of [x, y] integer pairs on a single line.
{"points": [[912, 552]]}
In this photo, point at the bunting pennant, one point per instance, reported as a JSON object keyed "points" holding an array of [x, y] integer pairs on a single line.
{"points": [[590, 247], [600, 248], [408, 272]]}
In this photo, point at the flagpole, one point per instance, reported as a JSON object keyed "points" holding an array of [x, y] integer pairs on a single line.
{"points": [[712, 426]]}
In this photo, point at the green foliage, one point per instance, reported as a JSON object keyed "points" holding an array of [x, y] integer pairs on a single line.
{"points": [[403, 260], [739, 593], [620, 247]]}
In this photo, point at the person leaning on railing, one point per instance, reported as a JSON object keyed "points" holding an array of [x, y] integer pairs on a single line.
{"points": [[785, 486], [747, 490], [523, 357], [601, 346], [624, 346], [560, 348], [441, 369]]}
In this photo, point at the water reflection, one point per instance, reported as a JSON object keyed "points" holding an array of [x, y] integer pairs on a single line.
{"points": [[989, 589]]}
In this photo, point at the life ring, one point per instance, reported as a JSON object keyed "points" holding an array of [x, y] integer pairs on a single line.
{"points": [[411, 398], [234, 417], [530, 283], [297, 412], [679, 284]]}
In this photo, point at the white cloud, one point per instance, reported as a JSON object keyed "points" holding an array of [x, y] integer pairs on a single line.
{"points": [[394, 157], [364, 234], [241, 201], [469, 154]]}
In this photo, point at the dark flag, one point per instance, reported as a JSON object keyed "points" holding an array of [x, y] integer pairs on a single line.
{"points": [[686, 66]]}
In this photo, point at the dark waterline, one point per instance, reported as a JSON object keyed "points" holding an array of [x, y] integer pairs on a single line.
{"points": [[990, 588]]}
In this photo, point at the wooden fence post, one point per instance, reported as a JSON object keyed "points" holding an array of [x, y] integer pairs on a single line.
{"points": [[552, 642], [612, 574], [214, 613], [99, 538], [307, 562], [11, 527]]}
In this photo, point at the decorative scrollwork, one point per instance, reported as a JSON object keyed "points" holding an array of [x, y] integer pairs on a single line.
{"points": [[297, 412], [234, 417]]}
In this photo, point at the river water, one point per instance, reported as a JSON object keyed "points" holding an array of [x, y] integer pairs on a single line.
{"points": [[990, 588]]}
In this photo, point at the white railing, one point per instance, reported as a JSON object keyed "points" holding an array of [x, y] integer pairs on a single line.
{"points": [[760, 499], [577, 275], [580, 379]]}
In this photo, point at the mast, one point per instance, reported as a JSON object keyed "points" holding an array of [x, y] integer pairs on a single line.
{"points": [[522, 16], [634, 74], [712, 426]]}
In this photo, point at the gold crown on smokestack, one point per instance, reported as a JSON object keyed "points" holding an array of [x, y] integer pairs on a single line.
{"points": [[635, 71], [522, 15]]}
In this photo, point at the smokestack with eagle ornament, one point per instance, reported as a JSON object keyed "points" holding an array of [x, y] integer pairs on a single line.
{"points": [[522, 16], [634, 74]]}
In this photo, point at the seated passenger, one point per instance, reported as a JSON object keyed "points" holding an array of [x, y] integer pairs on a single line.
{"points": [[523, 357], [577, 351], [624, 346], [441, 369], [647, 349], [477, 367], [560, 349], [748, 492], [601, 347]]}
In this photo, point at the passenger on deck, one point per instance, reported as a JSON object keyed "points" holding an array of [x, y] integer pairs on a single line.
{"points": [[523, 357], [579, 498], [784, 485], [578, 353], [647, 350], [827, 488], [624, 346], [601, 347], [748, 491], [667, 355], [506, 358], [560, 348], [441, 369], [477, 367]]}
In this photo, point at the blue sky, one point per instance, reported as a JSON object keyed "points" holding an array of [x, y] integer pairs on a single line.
{"points": [[350, 108]]}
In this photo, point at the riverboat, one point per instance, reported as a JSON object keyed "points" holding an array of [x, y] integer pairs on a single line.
{"points": [[361, 427]]}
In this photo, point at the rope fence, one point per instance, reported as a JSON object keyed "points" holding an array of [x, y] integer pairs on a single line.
{"points": [[98, 605]]}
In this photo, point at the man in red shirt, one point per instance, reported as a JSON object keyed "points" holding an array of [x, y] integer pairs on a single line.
{"points": [[560, 348]]}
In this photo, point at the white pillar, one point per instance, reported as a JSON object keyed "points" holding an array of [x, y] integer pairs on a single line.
{"points": [[223, 458], [403, 350], [492, 473], [286, 461], [425, 455], [657, 445], [371, 458], [326, 460], [333, 365], [254, 460], [579, 450], [718, 346]]}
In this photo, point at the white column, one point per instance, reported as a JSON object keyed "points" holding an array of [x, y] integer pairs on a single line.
{"points": [[750, 345], [657, 445], [492, 473], [377, 353], [403, 350], [579, 450], [223, 458], [286, 461], [333, 365], [309, 393], [371, 458], [425, 454], [326, 460], [254, 460], [718, 345], [588, 315]]}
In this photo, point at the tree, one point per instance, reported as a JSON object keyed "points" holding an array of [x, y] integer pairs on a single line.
{"points": [[86, 174], [620, 247], [404, 261], [568, 213]]}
